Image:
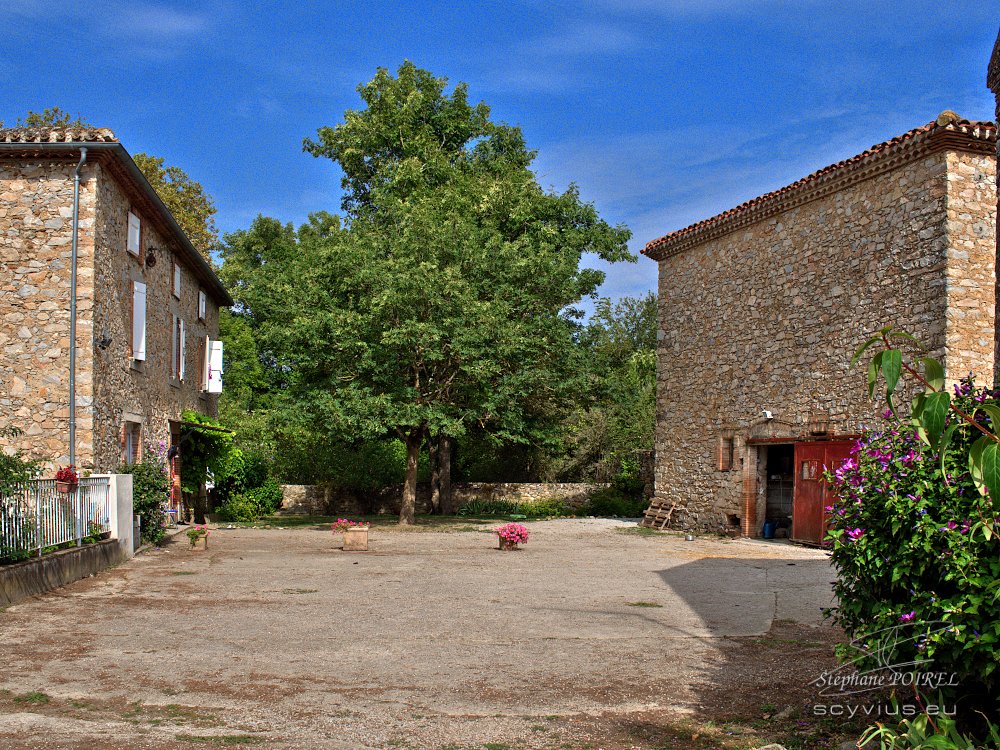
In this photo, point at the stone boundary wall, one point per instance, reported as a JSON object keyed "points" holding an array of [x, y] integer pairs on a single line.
{"points": [[306, 499], [40, 574]]}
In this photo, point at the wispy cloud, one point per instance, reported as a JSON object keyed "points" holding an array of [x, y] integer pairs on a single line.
{"points": [[585, 38], [161, 20]]}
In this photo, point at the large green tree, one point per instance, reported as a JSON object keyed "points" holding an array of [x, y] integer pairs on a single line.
{"points": [[447, 301]]}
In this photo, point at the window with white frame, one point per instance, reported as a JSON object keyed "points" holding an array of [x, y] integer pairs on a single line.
{"points": [[131, 442], [177, 279], [134, 242]]}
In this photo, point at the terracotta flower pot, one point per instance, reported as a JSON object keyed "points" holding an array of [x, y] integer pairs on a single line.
{"points": [[65, 487], [199, 544], [356, 539], [506, 544]]}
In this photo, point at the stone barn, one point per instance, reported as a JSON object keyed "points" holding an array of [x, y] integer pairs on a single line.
{"points": [[762, 306]]}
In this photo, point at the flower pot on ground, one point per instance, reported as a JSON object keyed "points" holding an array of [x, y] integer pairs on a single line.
{"points": [[198, 536], [511, 535], [355, 534]]}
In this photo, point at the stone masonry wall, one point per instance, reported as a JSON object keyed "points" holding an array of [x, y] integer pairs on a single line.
{"points": [[35, 241], [767, 316], [993, 83], [36, 209], [320, 500], [971, 273], [142, 391]]}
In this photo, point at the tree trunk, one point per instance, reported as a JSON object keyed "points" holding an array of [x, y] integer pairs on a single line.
{"points": [[413, 441], [444, 472], [433, 443]]}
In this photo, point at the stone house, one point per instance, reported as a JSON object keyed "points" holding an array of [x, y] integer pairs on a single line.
{"points": [[147, 304], [762, 306]]}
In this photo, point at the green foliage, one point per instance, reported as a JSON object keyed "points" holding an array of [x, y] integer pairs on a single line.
{"points": [[552, 507], [15, 467], [240, 508], [187, 200], [489, 508], [924, 732], [611, 501], [914, 534], [52, 117], [205, 448], [150, 493]]}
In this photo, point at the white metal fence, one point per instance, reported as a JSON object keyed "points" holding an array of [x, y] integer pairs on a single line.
{"points": [[37, 515]]}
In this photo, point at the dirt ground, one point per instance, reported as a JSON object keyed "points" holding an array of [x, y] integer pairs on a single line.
{"points": [[594, 635]]}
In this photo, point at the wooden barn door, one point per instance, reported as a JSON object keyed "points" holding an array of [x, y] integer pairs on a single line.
{"points": [[811, 494]]}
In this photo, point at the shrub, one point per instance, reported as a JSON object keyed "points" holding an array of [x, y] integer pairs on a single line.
{"points": [[610, 501], [239, 508], [150, 492], [544, 508], [490, 508], [913, 533]]}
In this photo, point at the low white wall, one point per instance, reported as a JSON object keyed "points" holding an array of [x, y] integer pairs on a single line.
{"points": [[120, 507]]}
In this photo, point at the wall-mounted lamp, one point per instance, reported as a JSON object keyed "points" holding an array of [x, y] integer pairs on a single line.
{"points": [[105, 341], [767, 414], [151, 256]]}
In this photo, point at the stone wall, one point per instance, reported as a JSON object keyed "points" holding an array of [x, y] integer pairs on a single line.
{"points": [[323, 500], [144, 392], [36, 199], [765, 317], [36, 209], [993, 82]]}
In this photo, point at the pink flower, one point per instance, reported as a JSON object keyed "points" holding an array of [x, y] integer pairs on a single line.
{"points": [[908, 617], [855, 534]]}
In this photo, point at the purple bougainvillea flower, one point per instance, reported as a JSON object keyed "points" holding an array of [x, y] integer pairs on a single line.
{"points": [[908, 617], [855, 534]]}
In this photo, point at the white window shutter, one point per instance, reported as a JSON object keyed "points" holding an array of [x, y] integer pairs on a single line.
{"points": [[183, 343], [177, 279], [215, 368], [138, 320], [206, 358], [173, 347], [134, 233], [202, 305]]}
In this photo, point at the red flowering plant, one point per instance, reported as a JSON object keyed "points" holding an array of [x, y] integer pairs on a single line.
{"points": [[68, 474], [914, 535]]}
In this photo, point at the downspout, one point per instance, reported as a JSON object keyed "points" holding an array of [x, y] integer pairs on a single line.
{"points": [[72, 308]]}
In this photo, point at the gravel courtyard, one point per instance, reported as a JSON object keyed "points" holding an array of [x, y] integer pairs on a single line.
{"points": [[591, 636]]}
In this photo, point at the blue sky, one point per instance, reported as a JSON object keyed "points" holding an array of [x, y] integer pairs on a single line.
{"points": [[664, 112]]}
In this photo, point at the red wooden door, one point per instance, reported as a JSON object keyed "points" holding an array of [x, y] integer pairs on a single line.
{"points": [[811, 493]]}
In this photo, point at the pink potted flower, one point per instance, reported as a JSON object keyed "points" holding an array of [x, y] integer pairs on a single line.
{"points": [[511, 535], [355, 534]]}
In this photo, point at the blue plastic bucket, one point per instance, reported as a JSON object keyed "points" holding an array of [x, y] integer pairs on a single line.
{"points": [[769, 527]]}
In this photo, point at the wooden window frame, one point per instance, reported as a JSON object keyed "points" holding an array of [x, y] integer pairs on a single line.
{"points": [[727, 453]]}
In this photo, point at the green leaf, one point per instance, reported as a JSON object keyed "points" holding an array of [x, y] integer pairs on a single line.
{"points": [[945, 442], [908, 337], [933, 373], [933, 416], [976, 462], [994, 414], [990, 460], [892, 368], [863, 348], [873, 368]]}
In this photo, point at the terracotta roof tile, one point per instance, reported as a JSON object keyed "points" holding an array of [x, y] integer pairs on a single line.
{"points": [[57, 135], [947, 123]]}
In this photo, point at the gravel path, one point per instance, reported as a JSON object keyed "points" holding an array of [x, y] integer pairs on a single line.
{"points": [[432, 639]]}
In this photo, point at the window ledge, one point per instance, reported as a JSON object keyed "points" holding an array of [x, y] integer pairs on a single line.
{"points": [[137, 365]]}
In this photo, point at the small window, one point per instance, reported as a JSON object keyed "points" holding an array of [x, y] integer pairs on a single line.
{"points": [[727, 450], [177, 280], [134, 242], [202, 304], [131, 443]]}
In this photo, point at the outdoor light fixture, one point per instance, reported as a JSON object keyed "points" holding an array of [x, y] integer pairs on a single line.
{"points": [[105, 340], [767, 414], [151, 256]]}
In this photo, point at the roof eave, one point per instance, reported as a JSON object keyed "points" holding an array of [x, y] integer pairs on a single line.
{"points": [[117, 151], [973, 137]]}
